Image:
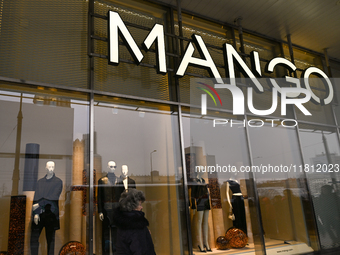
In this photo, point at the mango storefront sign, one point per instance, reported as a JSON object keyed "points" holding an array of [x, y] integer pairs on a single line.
{"points": [[289, 95]]}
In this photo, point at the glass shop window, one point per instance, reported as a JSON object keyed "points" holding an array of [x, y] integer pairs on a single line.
{"points": [[137, 147], [220, 212], [43, 144], [320, 147], [283, 196]]}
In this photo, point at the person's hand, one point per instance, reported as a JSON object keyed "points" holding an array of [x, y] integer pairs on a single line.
{"points": [[36, 219], [35, 206], [101, 216]]}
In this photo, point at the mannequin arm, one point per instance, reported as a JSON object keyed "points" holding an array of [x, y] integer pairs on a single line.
{"points": [[36, 217], [101, 216], [35, 206]]}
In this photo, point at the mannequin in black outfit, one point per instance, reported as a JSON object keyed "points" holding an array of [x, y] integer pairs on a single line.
{"points": [[109, 192], [125, 180], [237, 203], [46, 209], [200, 201]]}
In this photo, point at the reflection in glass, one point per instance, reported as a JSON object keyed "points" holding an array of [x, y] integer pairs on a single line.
{"points": [[142, 139], [217, 190], [281, 191], [42, 144], [321, 154]]}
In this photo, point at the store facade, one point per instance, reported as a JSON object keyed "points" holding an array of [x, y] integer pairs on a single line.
{"points": [[69, 110]]}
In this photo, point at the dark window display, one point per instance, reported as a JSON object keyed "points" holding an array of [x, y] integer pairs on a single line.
{"points": [[43, 143]]}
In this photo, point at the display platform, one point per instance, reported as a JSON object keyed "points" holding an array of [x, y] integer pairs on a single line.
{"points": [[273, 247], [290, 247]]}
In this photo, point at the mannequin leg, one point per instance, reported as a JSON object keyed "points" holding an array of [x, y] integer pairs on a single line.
{"points": [[36, 231], [198, 227], [50, 239], [206, 229], [105, 237], [113, 239]]}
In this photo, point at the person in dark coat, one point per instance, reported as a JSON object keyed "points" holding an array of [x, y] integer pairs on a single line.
{"points": [[133, 235]]}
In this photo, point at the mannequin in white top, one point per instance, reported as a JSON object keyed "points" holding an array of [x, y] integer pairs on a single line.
{"points": [[236, 204], [127, 182], [125, 171], [201, 204]]}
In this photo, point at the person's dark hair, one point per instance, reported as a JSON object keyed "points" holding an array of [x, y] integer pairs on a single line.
{"points": [[130, 200]]}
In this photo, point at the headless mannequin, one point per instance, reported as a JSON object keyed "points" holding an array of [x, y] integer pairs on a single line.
{"points": [[236, 205], [46, 209], [201, 216]]}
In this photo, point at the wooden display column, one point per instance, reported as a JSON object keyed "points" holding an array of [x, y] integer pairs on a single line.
{"points": [[77, 192], [16, 234]]}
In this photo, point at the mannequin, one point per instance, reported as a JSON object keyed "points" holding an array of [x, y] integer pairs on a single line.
{"points": [[126, 181], [236, 205], [108, 198], [46, 209], [200, 202]]}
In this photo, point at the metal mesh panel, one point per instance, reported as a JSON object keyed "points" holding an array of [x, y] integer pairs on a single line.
{"points": [[209, 38], [45, 41], [128, 14], [128, 79], [320, 113]]}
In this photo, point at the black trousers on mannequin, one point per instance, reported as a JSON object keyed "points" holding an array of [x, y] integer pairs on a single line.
{"points": [[109, 234], [239, 212], [35, 234]]}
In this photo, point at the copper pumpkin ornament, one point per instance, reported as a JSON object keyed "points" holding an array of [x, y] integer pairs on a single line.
{"points": [[236, 238]]}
